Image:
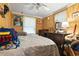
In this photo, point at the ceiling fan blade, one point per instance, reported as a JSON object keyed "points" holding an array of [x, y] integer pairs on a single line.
{"points": [[43, 5], [29, 6], [35, 6]]}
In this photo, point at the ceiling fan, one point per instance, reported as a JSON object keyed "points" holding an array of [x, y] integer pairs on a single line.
{"points": [[36, 6]]}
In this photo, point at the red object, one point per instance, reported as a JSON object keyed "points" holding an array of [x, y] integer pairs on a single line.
{"points": [[5, 38], [8, 37]]}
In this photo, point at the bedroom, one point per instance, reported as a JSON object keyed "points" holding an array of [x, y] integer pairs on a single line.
{"points": [[41, 27]]}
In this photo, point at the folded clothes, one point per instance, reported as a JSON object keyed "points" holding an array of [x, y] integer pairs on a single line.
{"points": [[5, 38], [8, 38], [4, 33]]}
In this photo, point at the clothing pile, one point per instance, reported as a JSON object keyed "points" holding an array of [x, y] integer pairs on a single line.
{"points": [[8, 39]]}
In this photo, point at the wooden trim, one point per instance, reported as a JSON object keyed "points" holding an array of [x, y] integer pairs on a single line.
{"points": [[60, 10]]}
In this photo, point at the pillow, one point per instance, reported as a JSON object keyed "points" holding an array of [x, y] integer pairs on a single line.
{"points": [[4, 33]]}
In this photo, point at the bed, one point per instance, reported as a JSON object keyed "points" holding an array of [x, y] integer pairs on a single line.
{"points": [[33, 45]]}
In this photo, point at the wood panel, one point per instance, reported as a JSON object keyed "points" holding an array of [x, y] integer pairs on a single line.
{"points": [[73, 20], [7, 21], [49, 23], [39, 24]]}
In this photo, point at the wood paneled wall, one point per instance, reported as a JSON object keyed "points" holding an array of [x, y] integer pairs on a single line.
{"points": [[7, 21], [73, 20], [39, 24], [49, 23], [46, 23]]}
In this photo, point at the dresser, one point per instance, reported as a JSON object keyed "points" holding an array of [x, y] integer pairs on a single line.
{"points": [[58, 38]]}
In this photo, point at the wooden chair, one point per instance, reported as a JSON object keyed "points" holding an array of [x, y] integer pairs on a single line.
{"points": [[69, 49]]}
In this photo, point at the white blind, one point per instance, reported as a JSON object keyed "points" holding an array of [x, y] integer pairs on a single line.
{"points": [[61, 17], [29, 25]]}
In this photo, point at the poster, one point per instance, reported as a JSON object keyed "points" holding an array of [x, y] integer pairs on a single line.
{"points": [[18, 20]]}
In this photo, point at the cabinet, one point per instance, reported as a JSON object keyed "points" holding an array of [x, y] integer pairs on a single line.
{"points": [[73, 20]]}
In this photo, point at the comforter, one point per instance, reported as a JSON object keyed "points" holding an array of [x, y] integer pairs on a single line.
{"points": [[33, 45]]}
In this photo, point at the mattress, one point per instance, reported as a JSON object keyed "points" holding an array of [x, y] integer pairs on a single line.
{"points": [[33, 45]]}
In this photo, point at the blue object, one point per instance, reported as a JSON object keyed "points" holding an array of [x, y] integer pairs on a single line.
{"points": [[76, 47], [15, 39]]}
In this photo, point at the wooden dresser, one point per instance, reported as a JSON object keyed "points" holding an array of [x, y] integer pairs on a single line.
{"points": [[58, 38]]}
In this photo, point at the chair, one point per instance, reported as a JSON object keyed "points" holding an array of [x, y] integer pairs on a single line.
{"points": [[75, 47], [72, 48]]}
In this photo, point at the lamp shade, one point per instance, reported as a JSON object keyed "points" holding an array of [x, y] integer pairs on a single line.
{"points": [[65, 25]]}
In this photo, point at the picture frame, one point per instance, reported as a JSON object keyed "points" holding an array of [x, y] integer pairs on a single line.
{"points": [[75, 14], [18, 20]]}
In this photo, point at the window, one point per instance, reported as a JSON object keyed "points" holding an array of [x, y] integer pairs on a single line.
{"points": [[60, 18], [29, 25], [61, 22]]}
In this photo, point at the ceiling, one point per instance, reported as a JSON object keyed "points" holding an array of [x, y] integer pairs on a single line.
{"points": [[41, 12]]}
